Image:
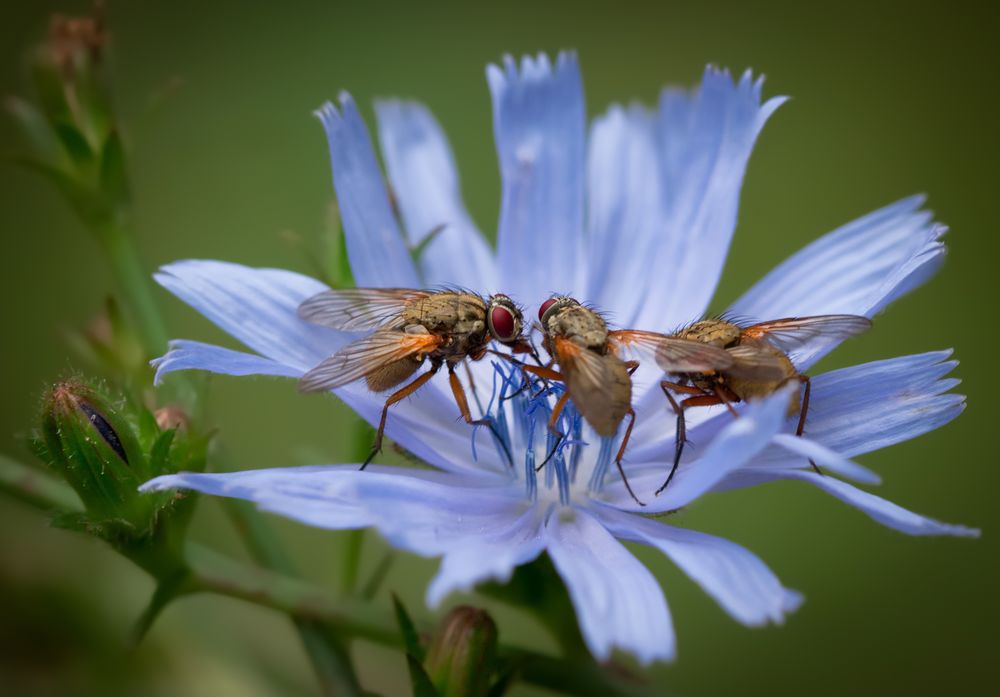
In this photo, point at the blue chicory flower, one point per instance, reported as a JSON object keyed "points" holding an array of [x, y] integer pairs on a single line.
{"points": [[634, 216]]}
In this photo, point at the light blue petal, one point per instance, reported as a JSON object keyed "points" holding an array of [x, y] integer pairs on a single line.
{"points": [[857, 269], [876, 508], [626, 214], [428, 425], [424, 178], [494, 554], [195, 355], [866, 407], [739, 441], [824, 457], [539, 122], [705, 140], [422, 512], [618, 602], [256, 306], [378, 253], [738, 580]]}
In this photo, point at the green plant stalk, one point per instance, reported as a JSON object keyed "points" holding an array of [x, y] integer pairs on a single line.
{"points": [[327, 652], [135, 287], [212, 572]]}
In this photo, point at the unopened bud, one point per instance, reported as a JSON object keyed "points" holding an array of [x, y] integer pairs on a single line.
{"points": [[95, 450], [462, 656], [171, 418]]}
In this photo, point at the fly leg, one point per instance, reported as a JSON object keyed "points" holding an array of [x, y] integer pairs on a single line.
{"points": [[397, 396], [621, 454], [463, 406], [804, 379], [553, 420], [700, 399], [680, 430], [544, 372]]}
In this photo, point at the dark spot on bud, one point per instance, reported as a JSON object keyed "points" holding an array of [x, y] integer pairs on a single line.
{"points": [[104, 429]]}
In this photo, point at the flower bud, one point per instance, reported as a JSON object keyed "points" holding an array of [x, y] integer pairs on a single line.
{"points": [[105, 451], [462, 656], [93, 448]]}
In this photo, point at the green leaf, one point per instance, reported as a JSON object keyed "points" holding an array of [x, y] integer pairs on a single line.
{"points": [[36, 130], [411, 640], [417, 251], [159, 454], [421, 683], [75, 143], [503, 683]]}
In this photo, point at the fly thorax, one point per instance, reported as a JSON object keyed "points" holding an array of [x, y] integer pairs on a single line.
{"points": [[716, 332], [583, 326]]}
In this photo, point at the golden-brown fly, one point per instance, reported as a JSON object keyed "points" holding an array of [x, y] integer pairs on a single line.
{"points": [[597, 379], [442, 327], [760, 365]]}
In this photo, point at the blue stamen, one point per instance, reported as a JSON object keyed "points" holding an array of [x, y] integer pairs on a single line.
{"points": [[578, 446], [596, 482], [501, 439], [530, 476]]}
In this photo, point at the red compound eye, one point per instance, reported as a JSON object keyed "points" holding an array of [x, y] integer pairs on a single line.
{"points": [[545, 306], [502, 324]]}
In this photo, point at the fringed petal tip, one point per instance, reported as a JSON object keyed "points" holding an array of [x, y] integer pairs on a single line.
{"points": [[329, 115], [530, 68]]}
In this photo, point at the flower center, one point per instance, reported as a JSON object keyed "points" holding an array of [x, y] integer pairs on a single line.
{"points": [[555, 463]]}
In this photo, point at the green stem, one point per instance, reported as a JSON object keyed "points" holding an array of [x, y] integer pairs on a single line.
{"points": [[213, 572], [35, 488], [135, 286], [327, 652], [351, 562]]}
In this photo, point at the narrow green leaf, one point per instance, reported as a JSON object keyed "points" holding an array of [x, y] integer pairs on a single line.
{"points": [[75, 143], [421, 683], [406, 627], [36, 130]]}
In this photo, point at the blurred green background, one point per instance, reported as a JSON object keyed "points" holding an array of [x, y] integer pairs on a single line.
{"points": [[227, 162]]}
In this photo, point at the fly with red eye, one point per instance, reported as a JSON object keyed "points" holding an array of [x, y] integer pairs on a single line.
{"points": [[503, 318], [411, 327], [597, 379]]}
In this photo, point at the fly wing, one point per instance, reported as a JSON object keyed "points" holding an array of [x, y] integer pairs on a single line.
{"points": [[354, 309], [673, 354], [792, 333], [600, 386], [364, 356], [755, 362]]}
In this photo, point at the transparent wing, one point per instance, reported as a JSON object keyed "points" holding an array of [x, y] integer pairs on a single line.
{"points": [[365, 356], [671, 353], [600, 386], [792, 333], [354, 309], [755, 362]]}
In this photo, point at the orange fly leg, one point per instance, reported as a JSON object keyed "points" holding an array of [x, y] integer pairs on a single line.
{"points": [[553, 420], [621, 454], [397, 396], [463, 406], [700, 400], [727, 397], [804, 379]]}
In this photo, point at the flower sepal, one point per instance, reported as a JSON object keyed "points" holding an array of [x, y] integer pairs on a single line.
{"points": [[104, 450]]}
